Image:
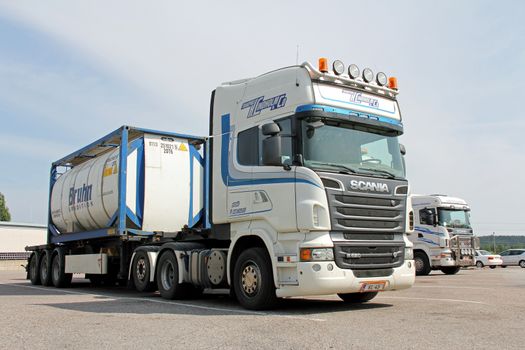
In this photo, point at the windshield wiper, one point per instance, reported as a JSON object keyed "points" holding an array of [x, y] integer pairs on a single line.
{"points": [[387, 173], [335, 165]]}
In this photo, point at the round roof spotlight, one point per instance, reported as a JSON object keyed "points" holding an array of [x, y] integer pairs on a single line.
{"points": [[381, 79], [353, 71], [368, 75], [338, 67]]}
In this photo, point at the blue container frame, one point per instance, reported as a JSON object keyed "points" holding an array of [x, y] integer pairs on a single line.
{"points": [[116, 227]]}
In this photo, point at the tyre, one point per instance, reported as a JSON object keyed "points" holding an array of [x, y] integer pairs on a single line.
{"points": [[504, 266], [59, 277], [168, 278], [422, 264], [479, 264], [522, 264], [357, 298], [34, 268], [45, 268], [140, 272], [253, 280], [450, 270], [492, 266]]}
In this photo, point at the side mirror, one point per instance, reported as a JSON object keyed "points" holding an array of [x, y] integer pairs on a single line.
{"points": [[271, 146], [270, 129], [432, 220], [402, 149]]}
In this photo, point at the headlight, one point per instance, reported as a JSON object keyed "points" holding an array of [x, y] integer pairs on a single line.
{"points": [[409, 254], [317, 254]]}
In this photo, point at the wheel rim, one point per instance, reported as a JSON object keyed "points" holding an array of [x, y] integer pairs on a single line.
{"points": [[141, 269], [522, 264], [250, 278], [419, 264], [56, 269], [479, 264], [167, 275]]}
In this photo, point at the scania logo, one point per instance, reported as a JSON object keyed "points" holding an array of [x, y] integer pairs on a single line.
{"points": [[368, 186]]}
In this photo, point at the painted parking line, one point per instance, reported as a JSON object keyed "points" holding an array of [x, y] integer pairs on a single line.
{"points": [[167, 302], [434, 299]]}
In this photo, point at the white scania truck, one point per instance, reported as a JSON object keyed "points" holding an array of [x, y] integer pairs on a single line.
{"points": [[443, 238], [298, 190]]}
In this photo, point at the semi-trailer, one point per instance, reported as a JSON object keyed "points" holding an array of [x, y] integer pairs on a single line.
{"points": [[299, 189], [443, 239]]}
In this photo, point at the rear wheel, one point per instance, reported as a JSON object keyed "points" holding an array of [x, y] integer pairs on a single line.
{"points": [[479, 264], [34, 268], [253, 280], [168, 278], [522, 264], [357, 298], [450, 270], [504, 266], [59, 277], [422, 264], [492, 266], [141, 268], [45, 268]]}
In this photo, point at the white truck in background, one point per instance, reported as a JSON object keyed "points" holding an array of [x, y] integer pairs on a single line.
{"points": [[443, 238], [298, 190]]}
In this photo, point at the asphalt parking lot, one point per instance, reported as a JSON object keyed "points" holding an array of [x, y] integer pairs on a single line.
{"points": [[475, 308]]}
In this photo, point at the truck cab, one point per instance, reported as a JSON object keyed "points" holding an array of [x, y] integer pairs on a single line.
{"points": [[307, 165], [443, 236]]}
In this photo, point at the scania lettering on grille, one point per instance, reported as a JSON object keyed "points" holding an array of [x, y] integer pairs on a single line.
{"points": [[368, 186]]}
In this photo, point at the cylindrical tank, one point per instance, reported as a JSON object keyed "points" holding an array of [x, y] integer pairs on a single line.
{"points": [[164, 188], [86, 197]]}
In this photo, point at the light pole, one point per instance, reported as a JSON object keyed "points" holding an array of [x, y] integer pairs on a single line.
{"points": [[494, 241]]}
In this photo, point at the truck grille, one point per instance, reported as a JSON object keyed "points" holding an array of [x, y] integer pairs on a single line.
{"points": [[366, 256], [356, 213]]}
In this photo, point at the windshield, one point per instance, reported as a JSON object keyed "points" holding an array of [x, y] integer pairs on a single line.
{"points": [[484, 252], [342, 148], [454, 218]]}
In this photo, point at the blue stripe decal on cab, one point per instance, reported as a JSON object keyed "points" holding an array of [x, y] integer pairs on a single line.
{"points": [[343, 111], [228, 180]]}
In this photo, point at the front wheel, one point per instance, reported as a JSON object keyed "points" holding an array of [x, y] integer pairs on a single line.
{"points": [[253, 280], [357, 298], [479, 264], [450, 270], [423, 267]]}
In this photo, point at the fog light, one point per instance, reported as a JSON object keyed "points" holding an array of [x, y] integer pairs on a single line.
{"points": [[368, 75], [338, 67], [353, 71], [316, 267]]}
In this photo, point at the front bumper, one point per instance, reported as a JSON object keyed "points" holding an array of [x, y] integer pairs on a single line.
{"points": [[325, 281]]}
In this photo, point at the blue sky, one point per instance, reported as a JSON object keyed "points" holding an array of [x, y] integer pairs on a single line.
{"points": [[71, 72]]}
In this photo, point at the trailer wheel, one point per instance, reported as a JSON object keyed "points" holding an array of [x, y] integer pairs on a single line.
{"points": [[357, 298], [34, 268], [422, 264], [59, 277], [450, 270], [168, 277], [45, 268], [253, 280], [141, 268]]}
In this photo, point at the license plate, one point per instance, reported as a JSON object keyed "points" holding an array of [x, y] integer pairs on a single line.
{"points": [[375, 286]]}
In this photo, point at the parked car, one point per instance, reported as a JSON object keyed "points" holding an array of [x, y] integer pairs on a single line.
{"points": [[513, 257], [486, 258]]}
